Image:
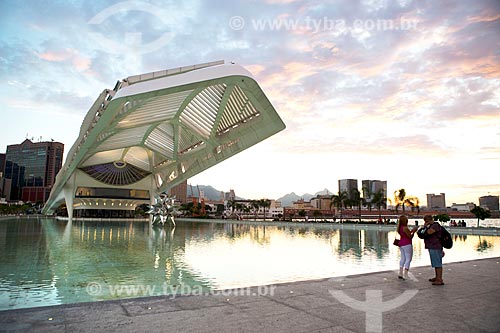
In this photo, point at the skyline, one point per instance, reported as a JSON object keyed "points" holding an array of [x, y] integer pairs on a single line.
{"points": [[403, 91]]}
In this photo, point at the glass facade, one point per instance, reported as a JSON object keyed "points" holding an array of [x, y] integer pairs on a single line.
{"points": [[32, 168], [115, 193]]}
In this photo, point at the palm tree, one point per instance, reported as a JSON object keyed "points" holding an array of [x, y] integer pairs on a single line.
{"points": [[399, 197], [368, 198], [265, 203], [402, 200], [379, 200], [413, 202], [245, 209], [338, 201], [232, 204], [357, 200], [255, 205]]}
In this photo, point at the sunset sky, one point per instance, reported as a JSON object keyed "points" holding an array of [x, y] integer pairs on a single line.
{"points": [[403, 91]]}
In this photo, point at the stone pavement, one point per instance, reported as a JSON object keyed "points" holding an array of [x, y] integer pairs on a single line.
{"points": [[468, 302]]}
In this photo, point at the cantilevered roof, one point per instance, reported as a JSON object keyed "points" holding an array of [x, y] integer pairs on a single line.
{"points": [[167, 126]]}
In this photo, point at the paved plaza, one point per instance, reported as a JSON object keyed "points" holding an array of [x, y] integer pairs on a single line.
{"points": [[468, 302]]}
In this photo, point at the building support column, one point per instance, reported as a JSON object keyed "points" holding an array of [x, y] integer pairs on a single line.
{"points": [[152, 192], [69, 195]]}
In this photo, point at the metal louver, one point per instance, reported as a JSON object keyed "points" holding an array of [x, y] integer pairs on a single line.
{"points": [[199, 115], [238, 110]]}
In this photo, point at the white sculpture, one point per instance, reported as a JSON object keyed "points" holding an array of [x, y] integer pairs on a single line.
{"points": [[163, 210]]}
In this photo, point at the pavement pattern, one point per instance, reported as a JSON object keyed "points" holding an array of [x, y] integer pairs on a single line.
{"points": [[375, 302]]}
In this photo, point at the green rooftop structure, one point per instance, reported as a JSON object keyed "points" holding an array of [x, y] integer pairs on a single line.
{"points": [[155, 130]]}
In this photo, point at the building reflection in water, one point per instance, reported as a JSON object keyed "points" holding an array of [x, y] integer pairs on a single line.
{"points": [[47, 262]]}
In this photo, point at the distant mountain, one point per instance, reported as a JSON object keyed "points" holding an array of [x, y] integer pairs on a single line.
{"points": [[288, 199], [208, 191], [215, 195]]}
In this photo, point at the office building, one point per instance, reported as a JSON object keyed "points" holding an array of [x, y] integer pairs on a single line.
{"points": [[31, 169], [348, 186], [2, 171], [370, 187], [180, 192], [230, 196], [490, 202], [436, 201]]}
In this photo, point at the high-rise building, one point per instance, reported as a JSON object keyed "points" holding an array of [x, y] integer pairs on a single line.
{"points": [[2, 171], [348, 186], [490, 202], [230, 196], [436, 201], [32, 169], [180, 192], [370, 187]]}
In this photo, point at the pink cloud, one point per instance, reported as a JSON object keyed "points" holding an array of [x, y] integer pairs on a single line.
{"points": [[78, 61]]}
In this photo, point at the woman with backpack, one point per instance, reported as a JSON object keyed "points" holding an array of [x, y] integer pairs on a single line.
{"points": [[405, 246]]}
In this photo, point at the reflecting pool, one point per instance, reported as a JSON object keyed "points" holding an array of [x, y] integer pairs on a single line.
{"points": [[47, 262]]}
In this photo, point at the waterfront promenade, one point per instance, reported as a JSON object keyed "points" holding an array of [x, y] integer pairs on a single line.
{"points": [[468, 302]]}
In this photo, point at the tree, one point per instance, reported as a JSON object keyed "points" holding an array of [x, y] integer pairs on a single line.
{"points": [[232, 204], [414, 203], [441, 218], [338, 201], [245, 209], [399, 197], [316, 214], [480, 213], [357, 201], [402, 200], [255, 205], [141, 210], [220, 209], [265, 203], [379, 200], [368, 197]]}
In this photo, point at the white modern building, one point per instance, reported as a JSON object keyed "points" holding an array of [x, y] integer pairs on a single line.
{"points": [[155, 130]]}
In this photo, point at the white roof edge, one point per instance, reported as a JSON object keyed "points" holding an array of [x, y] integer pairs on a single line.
{"points": [[202, 74]]}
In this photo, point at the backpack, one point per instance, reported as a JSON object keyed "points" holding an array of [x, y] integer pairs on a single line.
{"points": [[445, 238]]}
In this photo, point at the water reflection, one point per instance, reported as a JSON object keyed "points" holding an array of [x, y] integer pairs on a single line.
{"points": [[47, 262], [483, 245]]}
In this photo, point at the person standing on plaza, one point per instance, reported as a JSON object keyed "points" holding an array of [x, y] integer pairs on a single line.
{"points": [[405, 246], [430, 233]]}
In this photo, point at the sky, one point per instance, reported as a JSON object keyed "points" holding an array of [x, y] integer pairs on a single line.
{"points": [[404, 91]]}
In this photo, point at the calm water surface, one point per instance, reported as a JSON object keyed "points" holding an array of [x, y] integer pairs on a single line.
{"points": [[47, 262]]}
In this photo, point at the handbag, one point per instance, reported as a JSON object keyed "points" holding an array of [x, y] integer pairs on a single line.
{"points": [[396, 242]]}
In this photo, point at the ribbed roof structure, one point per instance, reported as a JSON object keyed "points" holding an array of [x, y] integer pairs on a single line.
{"points": [[155, 130]]}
